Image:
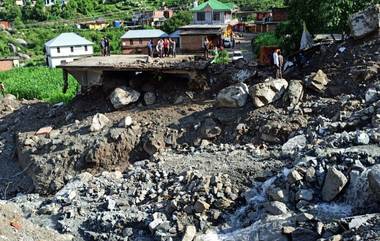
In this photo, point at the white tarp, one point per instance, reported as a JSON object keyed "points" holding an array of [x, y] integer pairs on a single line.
{"points": [[307, 39]]}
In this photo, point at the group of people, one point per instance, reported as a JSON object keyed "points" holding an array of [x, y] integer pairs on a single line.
{"points": [[164, 48], [278, 62], [105, 47]]}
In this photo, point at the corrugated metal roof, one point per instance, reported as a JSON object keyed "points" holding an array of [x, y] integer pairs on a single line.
{"points": [[68, 39], [215, 5], [144, 33], [175, 34]]}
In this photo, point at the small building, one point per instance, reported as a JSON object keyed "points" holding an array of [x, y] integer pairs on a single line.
{"points": [[66, 48], [9, 63], [98, 24], [136, 41], [152, 18], [52, 2], [20, 2], [213, 12], [192, 36], [268, 21], [5, 24]]}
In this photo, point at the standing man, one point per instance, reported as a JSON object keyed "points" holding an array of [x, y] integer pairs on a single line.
{"points": [[102, 46], [281, 62], [166, 47], [2, 88], [205, 47], [160, 47], [173, 47], [150, 48], [107, 44], [276, 63]]}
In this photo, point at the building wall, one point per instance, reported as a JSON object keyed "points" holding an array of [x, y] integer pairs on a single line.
{"points": [[6, 65], [225, 17], [194, 43], [280, 14], [5, 25], [66, 51], [137, 47], [54, 62]]}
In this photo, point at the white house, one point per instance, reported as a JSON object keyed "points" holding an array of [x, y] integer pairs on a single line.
{"points": [[66, 48], [52, 2]]}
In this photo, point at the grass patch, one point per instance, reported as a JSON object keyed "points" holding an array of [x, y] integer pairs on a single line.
{"points": [[38, 83]]}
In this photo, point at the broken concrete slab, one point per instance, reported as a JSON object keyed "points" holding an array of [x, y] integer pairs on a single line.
{"points": [[365, 22]]}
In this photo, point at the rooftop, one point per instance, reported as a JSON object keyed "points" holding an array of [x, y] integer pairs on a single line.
{"points": [[144, 33], [215, 5], [67, 39]]}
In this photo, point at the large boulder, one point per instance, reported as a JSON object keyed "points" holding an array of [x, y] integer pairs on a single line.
{"points": [[334, 183], [374, 180], [365, 22], [295, 92], [233, 96], [317, 81], [268, 92], [121, 97], [294, 145], [99, 121]]}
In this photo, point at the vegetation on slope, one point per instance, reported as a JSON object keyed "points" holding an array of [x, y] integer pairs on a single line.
{"points": [[38, 83]]}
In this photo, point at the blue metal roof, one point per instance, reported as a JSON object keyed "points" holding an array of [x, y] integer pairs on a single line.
{"points": [[67, 39], [175, 34], [144, 33]]}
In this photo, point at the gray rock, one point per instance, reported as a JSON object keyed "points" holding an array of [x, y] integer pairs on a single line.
{"points": [[123, 96], [268, 92], [201, 206], [149, 98], [99, 121], [233, 96], [305, 194], [190, 233], [295, 92], [365, 22], [362, 138], [294, 144], [303, 234], [276, 194], [372, 95], [294, 176], [317, 81], [125, 122], [210, 129], [276, 208], [21, 41], [374, 180], [334, 183]]}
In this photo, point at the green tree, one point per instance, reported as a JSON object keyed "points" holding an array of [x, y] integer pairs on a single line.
{"points": [[39, 11], [27, 11], [10, 10], [323, 16], [56, 9], [178, 19], [70, 9]]}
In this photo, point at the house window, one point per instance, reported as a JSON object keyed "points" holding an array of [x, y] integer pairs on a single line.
{"points": [[201, 16], [140, 41], [72, 49], [85, 48], [131, 42], [58, 49], [216, 16]]}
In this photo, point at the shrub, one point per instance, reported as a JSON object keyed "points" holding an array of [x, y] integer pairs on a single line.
{"points": [[265, 39]]}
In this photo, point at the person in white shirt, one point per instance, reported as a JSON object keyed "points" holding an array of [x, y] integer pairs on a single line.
{"points": [[276, 63]]}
